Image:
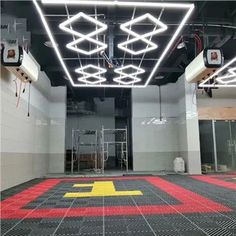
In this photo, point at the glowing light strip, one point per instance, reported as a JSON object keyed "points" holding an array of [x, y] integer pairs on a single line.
{"points": [[123, 46], [143, 37], [227, 78], [232, 71], [189, 8], [74, 46], [99, 81], [230, 79], [68, 22], [117, 3], [87, 75], [204, 83], [83, 37], [131, 76], [162, 28], [186, 17]]}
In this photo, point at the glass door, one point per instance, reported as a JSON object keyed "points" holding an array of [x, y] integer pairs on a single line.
{"points": [[207, 146], [233, 144], [217, 145]]}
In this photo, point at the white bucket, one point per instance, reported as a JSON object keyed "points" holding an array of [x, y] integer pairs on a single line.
{"points": [[179, 164]]}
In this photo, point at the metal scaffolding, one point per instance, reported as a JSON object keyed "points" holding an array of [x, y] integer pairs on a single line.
{"points": [[116, 141], [85, 142]]}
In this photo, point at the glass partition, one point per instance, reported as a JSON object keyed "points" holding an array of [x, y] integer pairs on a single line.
{"points": [[218, 145], [207, 145]]}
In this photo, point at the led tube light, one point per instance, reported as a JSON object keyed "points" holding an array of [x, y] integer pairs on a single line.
{"points": [[123, 46], [131, 76], [163, 27], [87, 75], [221, 79], [143, 37], [100, 27], [159, 5], [229, 78], [64, 25], [117, 3], [74, 46]]}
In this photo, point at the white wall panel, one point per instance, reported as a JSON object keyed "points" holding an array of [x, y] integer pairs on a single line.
{"points": [[26, 141]]}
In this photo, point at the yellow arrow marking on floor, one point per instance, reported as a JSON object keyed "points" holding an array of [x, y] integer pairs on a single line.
{"points": [[100, 189]]}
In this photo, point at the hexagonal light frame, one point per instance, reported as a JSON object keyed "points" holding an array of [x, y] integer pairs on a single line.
{"points": [[128, 4]]}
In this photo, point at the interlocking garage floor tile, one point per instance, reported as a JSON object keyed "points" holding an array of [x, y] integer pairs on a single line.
{"points": [[170, 205]]}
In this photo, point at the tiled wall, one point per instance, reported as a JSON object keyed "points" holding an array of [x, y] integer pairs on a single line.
{"points": [[26, 142]]}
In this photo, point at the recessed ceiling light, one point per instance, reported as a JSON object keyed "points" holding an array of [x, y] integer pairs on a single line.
{"points": [[49, 44], [159, 77], [181, 45]]}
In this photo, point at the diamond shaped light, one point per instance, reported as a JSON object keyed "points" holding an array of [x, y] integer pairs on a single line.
{"points": [[74, 45], [229, 78], [66, 25], [91, 77], [144, 41], [130, 76], [219, 80], [126, 27]]}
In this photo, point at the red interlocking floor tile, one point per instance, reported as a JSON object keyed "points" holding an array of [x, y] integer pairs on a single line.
{"points": [[191, 202], [214, 179]]}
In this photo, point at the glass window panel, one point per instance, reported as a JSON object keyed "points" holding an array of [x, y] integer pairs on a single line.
{"points": [[206, 145]]}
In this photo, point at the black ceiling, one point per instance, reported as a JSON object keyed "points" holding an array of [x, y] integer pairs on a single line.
{"points": [[208, 21]]}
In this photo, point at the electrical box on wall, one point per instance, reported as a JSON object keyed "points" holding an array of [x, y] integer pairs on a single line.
{"points": [[19, 62], [204, 65]]}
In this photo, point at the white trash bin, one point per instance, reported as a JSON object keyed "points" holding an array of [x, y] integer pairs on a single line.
{"points": [[179, 165]]}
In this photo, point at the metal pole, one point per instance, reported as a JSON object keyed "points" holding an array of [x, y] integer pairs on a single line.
{"points": [[95, 155], [72, 153], [126, 149], [214, 145], [231, 143], [122, 156], [102, 150]]}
